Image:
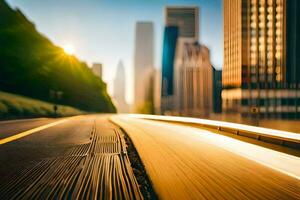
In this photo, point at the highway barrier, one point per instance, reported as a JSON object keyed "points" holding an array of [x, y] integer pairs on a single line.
{"points": [[284, 138]]}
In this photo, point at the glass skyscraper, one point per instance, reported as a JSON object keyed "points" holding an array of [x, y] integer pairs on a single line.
{"points": [[181, 26], [169, 50], [261, 57], [185, 18]]}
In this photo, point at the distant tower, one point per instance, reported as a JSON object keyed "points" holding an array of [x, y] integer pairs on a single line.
{"points": [[217, 91], [168, 58], [169, 50], [143, 62], [120, 89], [187, 82], [97, 69]]}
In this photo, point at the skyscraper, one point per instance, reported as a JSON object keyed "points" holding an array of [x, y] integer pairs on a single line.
{"points": [[169, 49], [168, 61], [186, 19], [120, 89], [143, 62], [194, 82], [217, 91], [186, 68], [293, 42], [261, 57]]}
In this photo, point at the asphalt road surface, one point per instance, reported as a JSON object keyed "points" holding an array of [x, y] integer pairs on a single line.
{"points": [[81, 157], [85, 157], [189, 163]]}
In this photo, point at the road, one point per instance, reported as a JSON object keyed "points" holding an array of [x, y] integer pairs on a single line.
{"points": [[79, 157], [191, 163], [84, 157]]}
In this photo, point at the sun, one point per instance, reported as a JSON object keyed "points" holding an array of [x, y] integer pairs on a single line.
{"points": [[69, 49]]}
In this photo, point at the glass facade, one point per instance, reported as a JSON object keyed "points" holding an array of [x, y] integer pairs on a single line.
{"points": [[261, 57], [185, 18], [254, 45], [169, 50]]}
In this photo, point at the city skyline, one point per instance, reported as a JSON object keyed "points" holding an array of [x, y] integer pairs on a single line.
{"points": [[103, 43], [191, 131]]}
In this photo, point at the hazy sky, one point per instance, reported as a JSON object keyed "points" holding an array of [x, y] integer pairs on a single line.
{"points": [[103, 30]]}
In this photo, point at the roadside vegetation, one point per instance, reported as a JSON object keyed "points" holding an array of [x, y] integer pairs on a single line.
{"points": [[31, 65], [16, 106]]}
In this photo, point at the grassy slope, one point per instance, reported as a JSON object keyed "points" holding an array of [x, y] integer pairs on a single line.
{"points": [[15, 106], [31, 65]]}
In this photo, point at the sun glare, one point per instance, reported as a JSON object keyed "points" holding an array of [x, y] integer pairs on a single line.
{"points": [[69, 49]]}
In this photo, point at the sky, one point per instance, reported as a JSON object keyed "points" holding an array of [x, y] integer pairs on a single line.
{"points": [[103, 30]]}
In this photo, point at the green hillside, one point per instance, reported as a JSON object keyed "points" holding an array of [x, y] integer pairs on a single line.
{"points": [[31, 65], [16, 106]]}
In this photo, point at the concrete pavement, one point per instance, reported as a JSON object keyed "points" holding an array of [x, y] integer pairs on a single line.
{"points": [[82, 158], [85, 157], [189, 163]]}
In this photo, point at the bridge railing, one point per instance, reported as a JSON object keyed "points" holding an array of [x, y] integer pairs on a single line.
{"points": [[284, 138]]}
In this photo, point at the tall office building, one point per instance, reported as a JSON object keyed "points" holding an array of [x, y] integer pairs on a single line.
{"points": [[261, 70], [186, 69], [97, 69], [217, 91], [194, 82], [120, 89], [143, 62], [293, 42], [169, 50], [168, 60], [186, 19]]}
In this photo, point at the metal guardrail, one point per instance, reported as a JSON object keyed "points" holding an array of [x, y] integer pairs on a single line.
{"points": [[284, 138]]}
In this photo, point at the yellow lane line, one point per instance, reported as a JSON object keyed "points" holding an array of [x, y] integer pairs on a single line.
{"points": [[31, 131]]}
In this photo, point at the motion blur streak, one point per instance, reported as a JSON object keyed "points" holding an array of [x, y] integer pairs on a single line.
{"points": [[282, 162], [194, 163], [264, 131]]}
